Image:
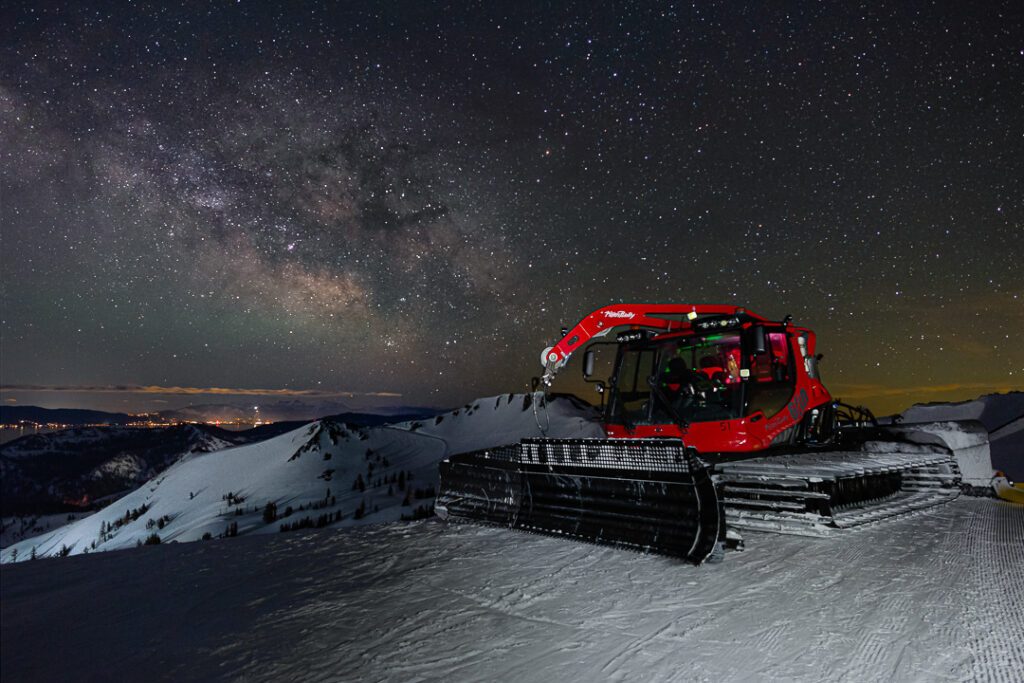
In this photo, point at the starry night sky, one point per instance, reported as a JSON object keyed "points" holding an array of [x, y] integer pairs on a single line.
{"points": [[414, 197]]}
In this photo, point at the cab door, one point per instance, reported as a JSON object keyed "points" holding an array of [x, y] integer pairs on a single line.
{"points": [[771, 380], [630, 402]]}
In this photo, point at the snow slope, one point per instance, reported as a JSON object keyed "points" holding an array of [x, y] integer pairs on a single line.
{"points": [[19, 527], [935, 596], [315, 470]]}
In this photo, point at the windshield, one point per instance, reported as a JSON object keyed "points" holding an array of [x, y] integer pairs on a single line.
{"points": [[687, 378]]}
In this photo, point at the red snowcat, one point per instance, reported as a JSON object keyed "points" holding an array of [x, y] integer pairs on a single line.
{"points": [[715, 418]]}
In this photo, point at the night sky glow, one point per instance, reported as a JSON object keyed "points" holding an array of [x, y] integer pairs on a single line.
{"points": [[413, 198]]}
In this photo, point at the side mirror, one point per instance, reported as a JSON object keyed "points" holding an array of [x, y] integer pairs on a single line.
{"points": [[760, 344], [588, 364]]}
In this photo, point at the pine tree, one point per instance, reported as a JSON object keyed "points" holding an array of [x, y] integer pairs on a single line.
{"points": [[270, 513]]}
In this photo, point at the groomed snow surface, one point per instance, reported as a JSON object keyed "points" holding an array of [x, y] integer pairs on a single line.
{"points": [[935, 596]]}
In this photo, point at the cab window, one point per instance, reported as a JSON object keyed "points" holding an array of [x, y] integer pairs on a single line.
{"points": [[772, 381], [634, 391]]}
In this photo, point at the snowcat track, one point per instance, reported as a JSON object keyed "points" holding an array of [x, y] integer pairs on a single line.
{"points": [[654, 495], [817, 493], [646, 495]]}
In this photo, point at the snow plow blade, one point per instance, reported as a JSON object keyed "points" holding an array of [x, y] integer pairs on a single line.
{"points": [[648, 495]]}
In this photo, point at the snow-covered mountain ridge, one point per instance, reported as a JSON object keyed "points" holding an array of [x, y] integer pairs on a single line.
{"points": [[322, 473], [68, 471]]}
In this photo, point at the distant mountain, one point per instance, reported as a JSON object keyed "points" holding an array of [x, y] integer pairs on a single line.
{"points": [[278, 411], [377, 419], [296, 410], [66, 416], [71, 469]]}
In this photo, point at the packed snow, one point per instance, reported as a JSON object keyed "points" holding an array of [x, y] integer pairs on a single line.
{"points": [[933, 596]]}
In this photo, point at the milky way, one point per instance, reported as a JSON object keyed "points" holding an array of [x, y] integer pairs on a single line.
{"points": [[414, 197]]}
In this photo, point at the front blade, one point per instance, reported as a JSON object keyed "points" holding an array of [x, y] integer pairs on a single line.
{"points": [[650, 496]]}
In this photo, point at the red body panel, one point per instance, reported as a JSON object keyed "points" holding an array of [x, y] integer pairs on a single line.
{"points": [[749, 433]]}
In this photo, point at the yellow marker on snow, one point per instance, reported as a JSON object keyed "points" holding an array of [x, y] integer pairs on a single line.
{"points": [[1008, 490]]}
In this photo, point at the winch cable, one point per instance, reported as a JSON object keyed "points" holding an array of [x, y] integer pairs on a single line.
{"points": [[540, 397]]}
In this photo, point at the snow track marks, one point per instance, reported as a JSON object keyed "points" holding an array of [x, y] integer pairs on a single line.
{"points": [[933, 597]]}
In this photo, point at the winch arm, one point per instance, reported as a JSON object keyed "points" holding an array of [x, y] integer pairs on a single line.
{"points": [[664, 317]]}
